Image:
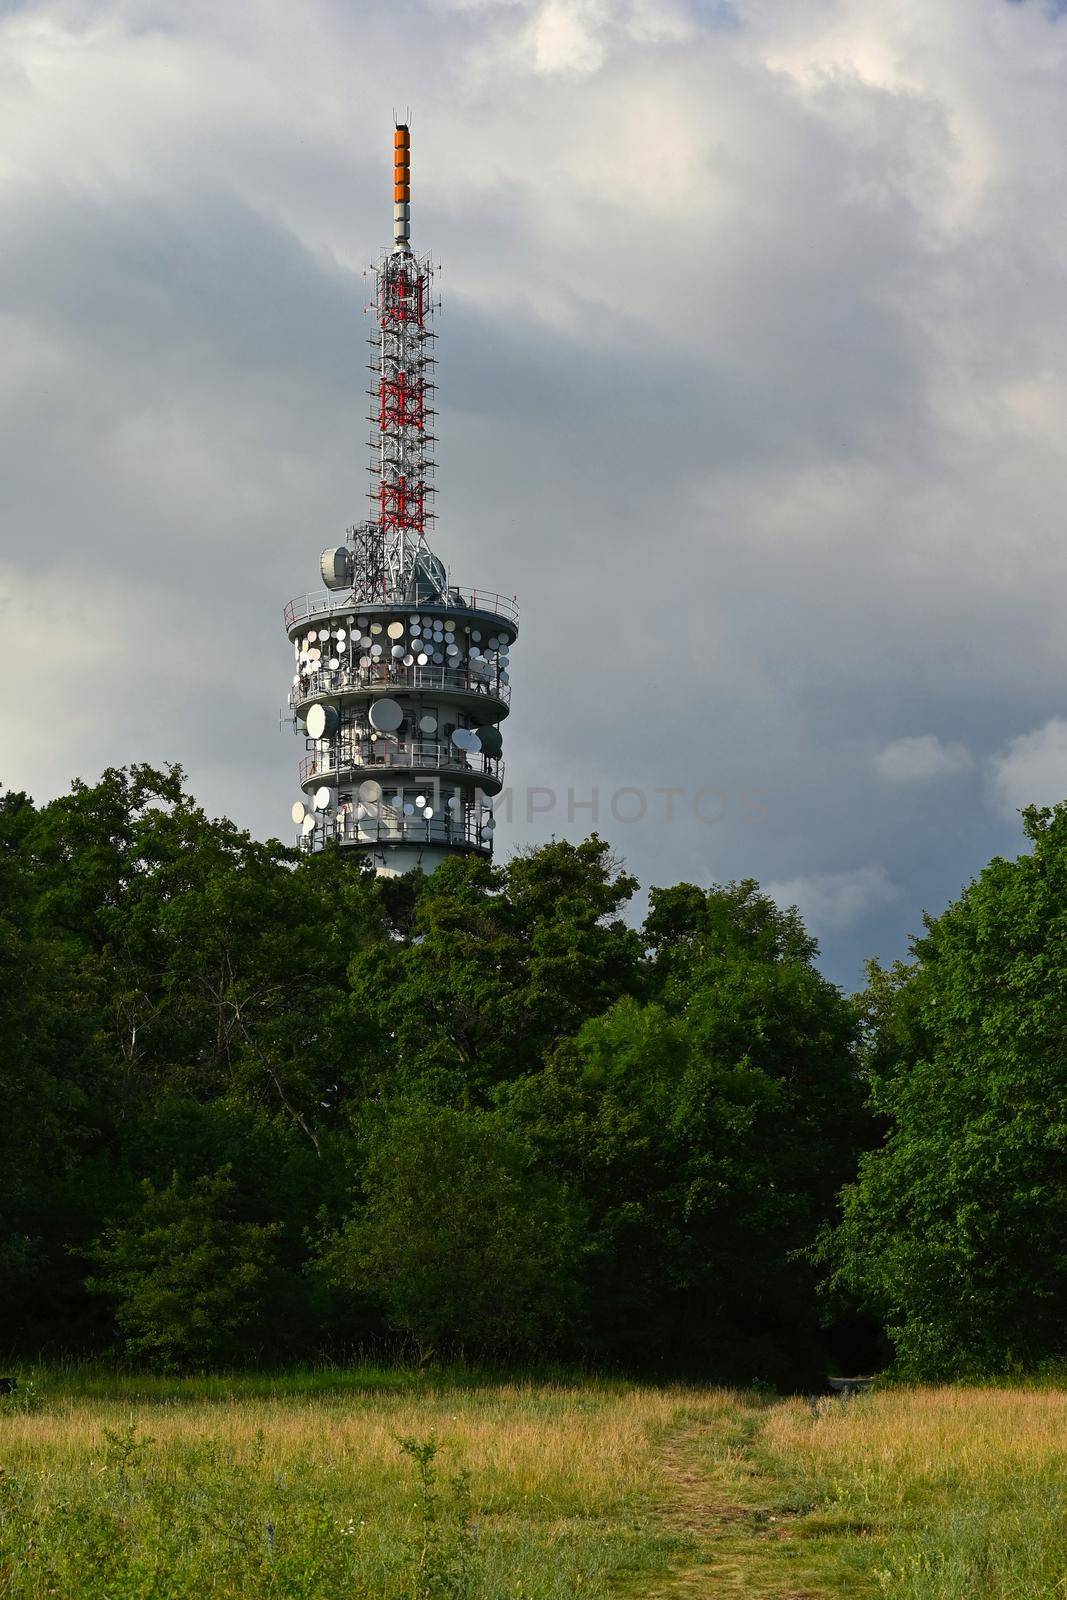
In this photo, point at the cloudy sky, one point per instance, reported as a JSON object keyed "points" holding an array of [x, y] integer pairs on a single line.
{"points": [[753, 389]]}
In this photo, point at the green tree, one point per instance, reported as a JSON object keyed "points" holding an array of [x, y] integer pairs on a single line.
{"points": [[191, 1286], [495, 965], [466, 1247], [155, 958], [956, 1229], [708, 1128]]}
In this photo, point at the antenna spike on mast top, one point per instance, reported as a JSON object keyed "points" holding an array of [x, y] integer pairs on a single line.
{"points": [[402, 187]]}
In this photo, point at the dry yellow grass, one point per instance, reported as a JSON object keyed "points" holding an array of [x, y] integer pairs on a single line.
{"points": [[910, 1438], [574, 1448], [591, 1489], [564, 1480]]}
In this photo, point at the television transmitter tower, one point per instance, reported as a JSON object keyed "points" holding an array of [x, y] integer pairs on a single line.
{"points": [[400, 677]]}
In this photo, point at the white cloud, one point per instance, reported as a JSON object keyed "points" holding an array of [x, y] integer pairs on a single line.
{"points": [[565, 39], [914, 760], [1032, 769], [832, 901]]}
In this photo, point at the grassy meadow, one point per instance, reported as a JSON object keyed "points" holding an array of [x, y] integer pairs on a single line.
{"points": [[391, 1485]]}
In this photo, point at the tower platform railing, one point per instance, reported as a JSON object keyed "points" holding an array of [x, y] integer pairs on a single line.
{"points": [[451, 764], [346, 828], [484, 601], [389, 674]]}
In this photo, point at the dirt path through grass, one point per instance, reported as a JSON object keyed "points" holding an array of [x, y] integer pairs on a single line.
{"points": [[921, 1494], [746, 1542]]}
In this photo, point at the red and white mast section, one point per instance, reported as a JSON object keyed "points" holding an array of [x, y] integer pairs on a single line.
{"points": [[402, 463]]}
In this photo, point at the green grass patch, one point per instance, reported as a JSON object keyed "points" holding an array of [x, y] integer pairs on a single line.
{"points": [[386, 1483]]}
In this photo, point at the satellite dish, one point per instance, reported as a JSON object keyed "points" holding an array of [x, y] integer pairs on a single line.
{"points": [[427, 812], [385, 715], [476, 636], [397, 652], [428, 724], [375, 627], [409, 661], [298, 812], [395, 630], [361, 622], [336, 567], [323, 797], [309, 824], [321, 721], [422, 658], [438, 658], [414, 621], [375, 651], [370, 792], [455, 803], [364, 661], [409, 809], [461, 738], [505, 677], [490, 740], [420, 800], [488, 825], [333, 663]]}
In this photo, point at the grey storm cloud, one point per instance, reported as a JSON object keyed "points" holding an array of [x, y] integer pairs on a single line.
{"points": [[753, 369]]}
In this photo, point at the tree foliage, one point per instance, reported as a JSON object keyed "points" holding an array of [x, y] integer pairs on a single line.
{"points": [[191, 1283], [955, 1232], [260, 1103], [464, 1243]]}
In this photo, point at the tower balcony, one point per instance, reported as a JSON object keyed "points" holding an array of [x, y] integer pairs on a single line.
{"points": [[409, 764], [460, 684], [450, 832]]}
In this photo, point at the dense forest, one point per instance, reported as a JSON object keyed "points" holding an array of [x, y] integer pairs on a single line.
{"points": [[259, 1106]]}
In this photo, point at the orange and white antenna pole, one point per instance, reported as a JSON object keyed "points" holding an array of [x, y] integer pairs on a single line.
{"points": [[402, 187]]}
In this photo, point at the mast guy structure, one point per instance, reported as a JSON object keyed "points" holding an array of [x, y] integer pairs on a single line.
{"points": [[401, 678]]}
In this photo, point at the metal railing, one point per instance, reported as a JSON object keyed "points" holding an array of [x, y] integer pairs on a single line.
{"points": [[305, 606], [346, 828], [363, 756], [390, 673]]}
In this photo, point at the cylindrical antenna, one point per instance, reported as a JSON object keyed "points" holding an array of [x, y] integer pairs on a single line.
{"points": [[402, 187]]}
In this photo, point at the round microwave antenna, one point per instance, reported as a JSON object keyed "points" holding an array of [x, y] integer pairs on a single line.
{"points": [[336, 567], [385, 715]]}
